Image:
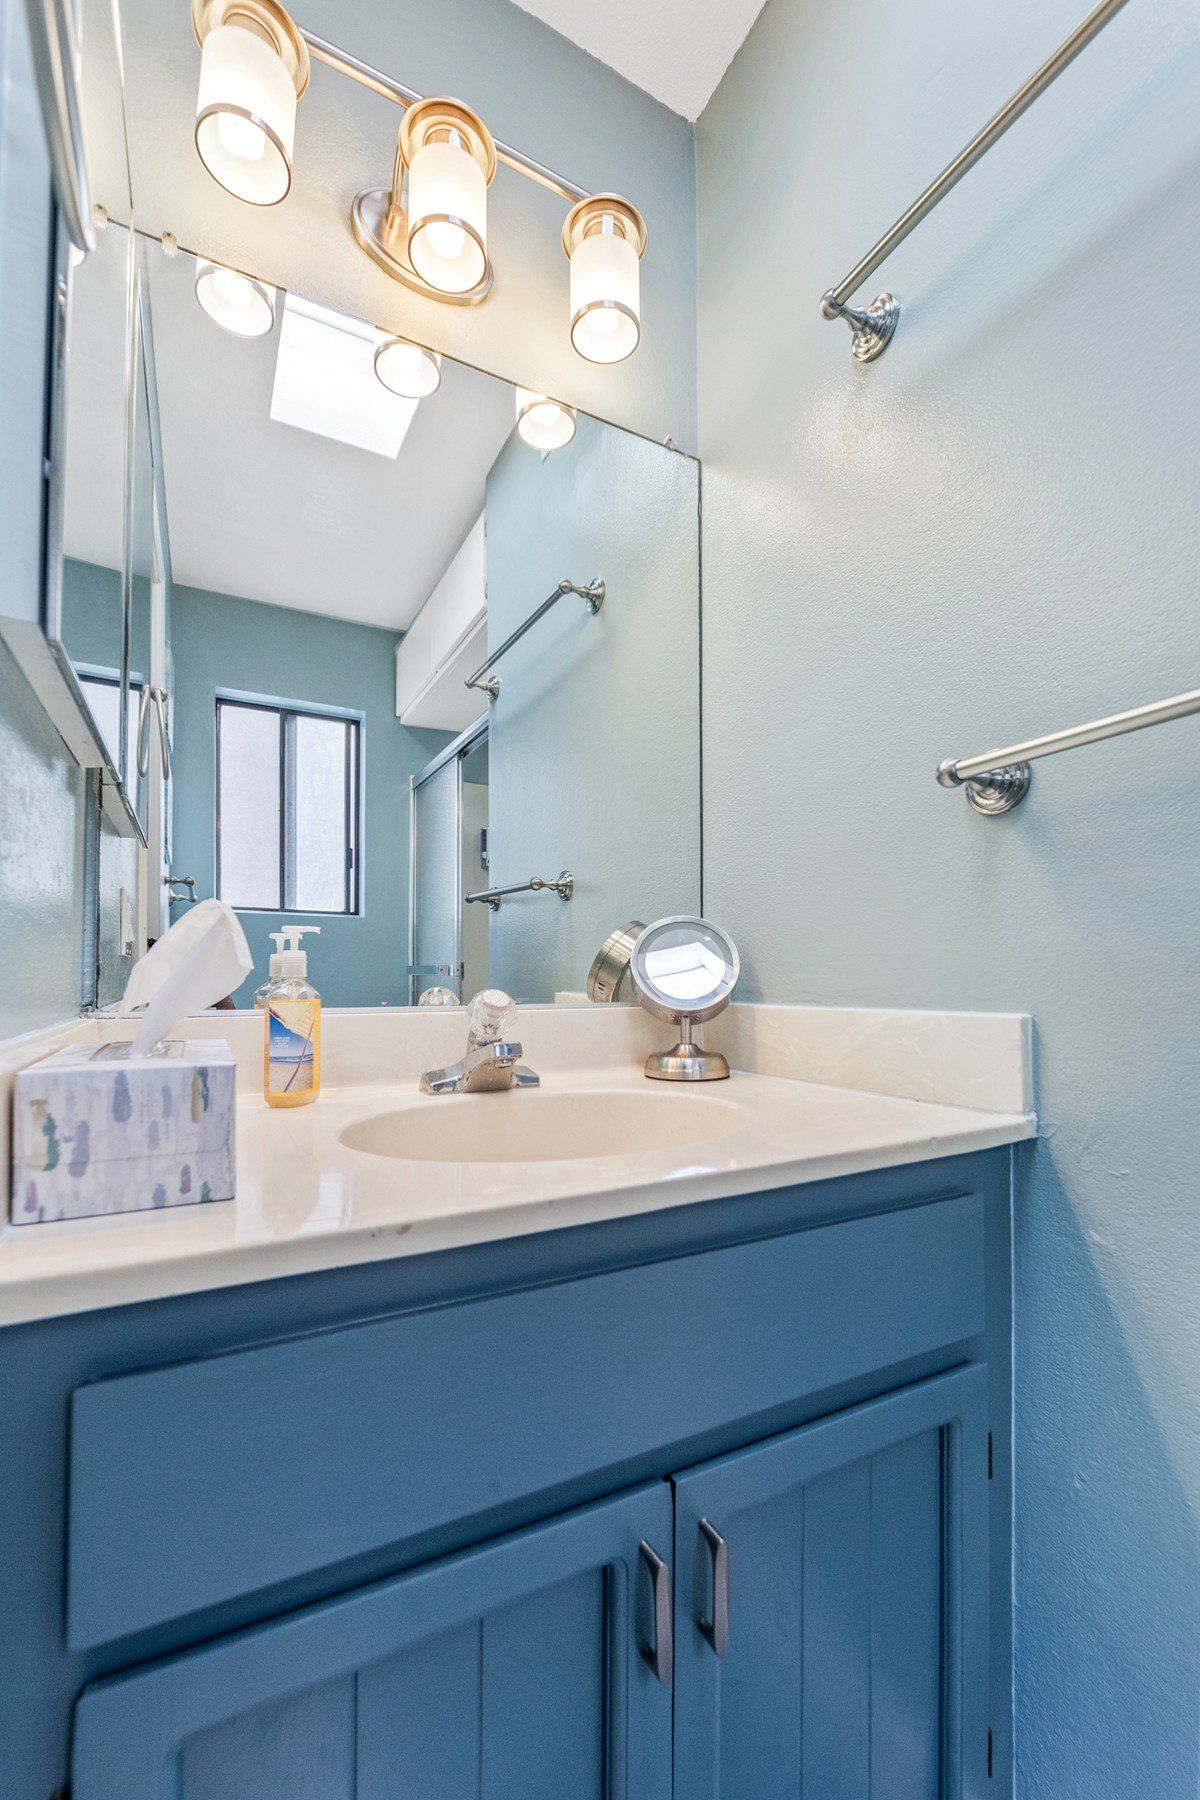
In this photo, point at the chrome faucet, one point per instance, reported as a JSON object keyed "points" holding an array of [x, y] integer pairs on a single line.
{"points": [[492, 1059]]}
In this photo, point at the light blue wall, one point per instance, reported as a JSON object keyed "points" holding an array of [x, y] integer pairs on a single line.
{"points": [[93, 610], [42, 801], [992, 532], [221, 642], [594, 752]]}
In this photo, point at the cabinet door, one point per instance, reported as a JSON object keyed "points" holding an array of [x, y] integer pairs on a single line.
{"points": [[513, 1671], [832, 1607]]}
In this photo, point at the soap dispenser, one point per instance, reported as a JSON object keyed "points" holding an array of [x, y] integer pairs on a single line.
{"points": [[292, 1019], [274, 969]]}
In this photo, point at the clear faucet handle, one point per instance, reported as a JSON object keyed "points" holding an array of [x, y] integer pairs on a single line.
{"points": [[491, 1015]]}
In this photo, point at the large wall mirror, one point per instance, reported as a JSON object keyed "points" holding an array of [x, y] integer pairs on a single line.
{"points": [[372, 640], [377, 719]]}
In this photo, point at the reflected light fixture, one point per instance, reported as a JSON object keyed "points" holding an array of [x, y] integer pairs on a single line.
{"points": [[253, 69], [236, 302], [604, 239], [542, 423], [409, 370]]}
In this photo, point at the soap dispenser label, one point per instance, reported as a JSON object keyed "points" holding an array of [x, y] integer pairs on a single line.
{"points": [[292, 1024]]}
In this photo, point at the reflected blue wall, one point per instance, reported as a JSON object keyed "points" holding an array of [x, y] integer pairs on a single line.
{"points": [[594, 755], [990, 533], [220, 642]]}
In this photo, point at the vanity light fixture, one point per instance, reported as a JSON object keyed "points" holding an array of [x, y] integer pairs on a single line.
{"points": [[409, 370], [451, 159], [253, 68], [236, 302], [437, 244], [428, 230], [604, 239], [542, 423]]}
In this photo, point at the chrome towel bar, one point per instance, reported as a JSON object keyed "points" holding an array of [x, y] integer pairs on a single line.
{"points": [[564, 887], [873, 328], [593, 594], [999, 779]]}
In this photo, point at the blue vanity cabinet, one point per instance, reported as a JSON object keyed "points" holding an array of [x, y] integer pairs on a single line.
{"points": [[832, 1598], [376, 1533], [534, 1667]]}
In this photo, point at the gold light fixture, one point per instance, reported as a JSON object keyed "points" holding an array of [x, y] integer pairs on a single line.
{"points": [[542, 423], [237, 303], [437, 244], [604, 239], [253, 69], [427, 230], [409, 370]]}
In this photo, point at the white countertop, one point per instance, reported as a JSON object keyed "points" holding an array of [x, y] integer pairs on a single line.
{"points": [[306, 1202]]}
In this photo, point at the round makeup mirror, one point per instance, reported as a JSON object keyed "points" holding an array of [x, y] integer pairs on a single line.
{"points": [[684, 970]]}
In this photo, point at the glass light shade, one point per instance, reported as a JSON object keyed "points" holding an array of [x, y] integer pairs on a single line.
{"points": [[447, 214], [605, 291], [234, 301], [245, 115], [408, 369], [542, 423]]}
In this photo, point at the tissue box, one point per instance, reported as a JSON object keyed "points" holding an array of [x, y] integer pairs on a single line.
{"points": [[99, 1130]]}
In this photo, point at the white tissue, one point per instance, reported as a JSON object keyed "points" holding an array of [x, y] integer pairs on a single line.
{"points": [[200, 960]]}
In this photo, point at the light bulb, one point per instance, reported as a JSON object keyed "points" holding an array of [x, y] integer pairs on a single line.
{"points": [[604, 238], [407, 369], [236, 302], [246, 104], [241, 137], [450, 158], [445, 240], [543, 423]]}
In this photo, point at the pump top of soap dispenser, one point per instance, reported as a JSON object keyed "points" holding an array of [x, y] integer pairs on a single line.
{"points": [[289, 961]]}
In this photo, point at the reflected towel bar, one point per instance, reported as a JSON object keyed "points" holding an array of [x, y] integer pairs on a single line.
{"points": [[999, 779], [593, 594], [873, 328], [564, 887]]}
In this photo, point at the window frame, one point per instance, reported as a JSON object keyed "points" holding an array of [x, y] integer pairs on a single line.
{"points": [[288, 712], [97, 675]]}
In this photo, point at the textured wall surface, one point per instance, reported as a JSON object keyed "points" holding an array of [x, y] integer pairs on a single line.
{"points": [[273, 652], [992, 532], [41, 863], [536, 90], [594, 751]]}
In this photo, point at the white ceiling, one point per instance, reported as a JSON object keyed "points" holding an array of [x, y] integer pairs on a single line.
{"points": [[676, 50], [273, 513]]}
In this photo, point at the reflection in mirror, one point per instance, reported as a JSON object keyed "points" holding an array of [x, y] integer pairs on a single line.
{"points": [[684, 966], [343, 557], [86, 608], [141, 582]]}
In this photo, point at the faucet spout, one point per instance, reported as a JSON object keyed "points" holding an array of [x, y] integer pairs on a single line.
{"points": [[491, 1064]]}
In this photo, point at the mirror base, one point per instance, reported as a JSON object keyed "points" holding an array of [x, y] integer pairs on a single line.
{"points": [[687, 1062]]}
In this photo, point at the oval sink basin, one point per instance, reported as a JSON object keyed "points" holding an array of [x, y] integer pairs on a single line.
{"points": [[542, 1127]]}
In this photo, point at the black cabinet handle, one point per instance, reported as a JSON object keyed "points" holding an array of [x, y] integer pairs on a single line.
{"points": [[716, 1629], [661, 1654]]}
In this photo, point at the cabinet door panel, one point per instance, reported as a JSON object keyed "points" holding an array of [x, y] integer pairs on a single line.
{"points": [[512, 1670], [856, 1661]]}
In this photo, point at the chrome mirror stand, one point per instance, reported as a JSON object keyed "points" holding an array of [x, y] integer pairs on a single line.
{"points": [[686, 1061]]}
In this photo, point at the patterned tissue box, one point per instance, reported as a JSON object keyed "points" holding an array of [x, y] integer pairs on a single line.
{"points": [[99, 1130]]}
